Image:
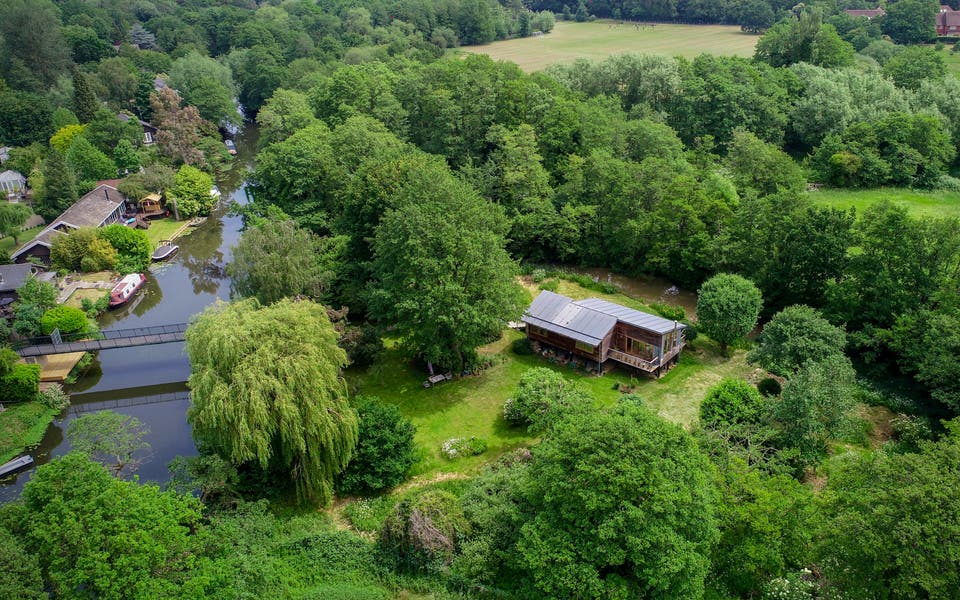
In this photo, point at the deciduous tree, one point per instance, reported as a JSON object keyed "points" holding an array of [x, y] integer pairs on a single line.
{"points": [[267, 388], [191, 192], [727, 308], [277, 259], [444, 279], [623, 506], [385, 449], [113, 439], [795, 335]]}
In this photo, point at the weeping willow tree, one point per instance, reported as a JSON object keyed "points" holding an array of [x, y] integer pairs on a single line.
{"points": [[266, 387]]}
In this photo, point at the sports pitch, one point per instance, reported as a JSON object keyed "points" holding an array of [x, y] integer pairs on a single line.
{"points": [[599, 39]]}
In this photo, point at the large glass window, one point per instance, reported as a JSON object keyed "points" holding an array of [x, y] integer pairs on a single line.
{"points": [[585, 347]]}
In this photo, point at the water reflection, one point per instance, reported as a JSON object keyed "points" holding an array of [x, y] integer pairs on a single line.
{"points": [[131, 380]]}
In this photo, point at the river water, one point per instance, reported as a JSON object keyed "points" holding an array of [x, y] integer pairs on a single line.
{"points": [[149, 382]]}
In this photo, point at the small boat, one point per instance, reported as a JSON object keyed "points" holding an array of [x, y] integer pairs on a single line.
{"points": [[165, 249], [126, 288], [231, 147], [17, 464]]}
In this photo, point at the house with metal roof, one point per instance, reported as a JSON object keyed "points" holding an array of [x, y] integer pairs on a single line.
{"points": [[100, 207], [600, 331]]}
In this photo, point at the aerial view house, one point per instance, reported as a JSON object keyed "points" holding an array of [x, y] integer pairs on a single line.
{"points": [[101, 206], [12, 277], [948, 21], [599, 331], [149, 131]]}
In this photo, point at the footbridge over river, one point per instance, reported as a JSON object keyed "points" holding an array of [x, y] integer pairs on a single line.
{"points": [[105, 340]]}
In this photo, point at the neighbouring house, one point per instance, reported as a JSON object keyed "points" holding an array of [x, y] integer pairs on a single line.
{"points": [[948, 21], [869, 13], [11, 278], [599, 331], [149, 131], [13, 185], [101, 206]]}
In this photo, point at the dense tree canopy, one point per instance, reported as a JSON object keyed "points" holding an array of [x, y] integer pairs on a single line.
{"points": [[267, 389], [650, 519]]}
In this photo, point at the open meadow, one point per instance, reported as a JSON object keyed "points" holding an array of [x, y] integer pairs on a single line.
{"points": [[919, 203], [599, 39], [473, 405]]}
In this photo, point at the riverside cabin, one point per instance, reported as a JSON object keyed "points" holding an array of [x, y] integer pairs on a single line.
{"points": [[599, 331]]}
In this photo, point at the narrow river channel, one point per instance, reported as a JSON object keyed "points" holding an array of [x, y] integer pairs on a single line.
{"points": [[149, 382]]}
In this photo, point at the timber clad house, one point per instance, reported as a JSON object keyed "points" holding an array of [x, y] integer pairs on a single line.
{"points": [[948, 21], [600, 331]]}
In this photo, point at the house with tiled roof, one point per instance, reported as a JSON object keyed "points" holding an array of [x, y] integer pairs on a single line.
{"points": [[100, 207], [948, 21]]}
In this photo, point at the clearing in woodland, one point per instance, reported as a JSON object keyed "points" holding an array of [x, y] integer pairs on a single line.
{"points": [[599, 39]]}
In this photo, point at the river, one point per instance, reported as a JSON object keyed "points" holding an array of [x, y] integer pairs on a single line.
{"points": [[149, 382]]}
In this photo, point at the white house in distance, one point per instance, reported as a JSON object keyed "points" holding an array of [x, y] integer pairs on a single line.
{"points": [[12, 184]]}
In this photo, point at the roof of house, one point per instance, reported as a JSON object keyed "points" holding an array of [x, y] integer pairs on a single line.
{"points": [[589, 320], [869, 13], [89, 211], [12, 176], [13, 276], [126, 117]]}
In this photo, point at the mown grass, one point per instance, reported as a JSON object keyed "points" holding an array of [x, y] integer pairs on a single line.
{"points": [[22, 426], [162, 229], [919, 203], [473, 405], [7, 246], [598, 39]]}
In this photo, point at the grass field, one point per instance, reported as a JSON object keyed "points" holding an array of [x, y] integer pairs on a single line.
{"points": [[473, 406], [919, 203], [599, 39], [7, 246], [22, 426], [162, 229]]}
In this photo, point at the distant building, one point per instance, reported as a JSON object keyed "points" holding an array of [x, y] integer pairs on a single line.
{"points": [[869, 13], [12, 184], [102, 206], [149, 131], [948, 21], [11, 278], [597, 331]]}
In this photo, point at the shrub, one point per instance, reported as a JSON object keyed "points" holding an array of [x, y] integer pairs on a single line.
{"points": [[94, 308], [132, 246], [423, 531], [731, 401], [522, 347], [691, 332], [385, 449], [909, 431], [366, 348], [769, 386], [67, 251], [674, 313], [458, 446], [20, 384], [542, 396], [551, 285], [54, 397], [538, 275], [65, 318]]}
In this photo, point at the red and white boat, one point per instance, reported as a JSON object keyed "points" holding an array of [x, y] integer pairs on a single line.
{"points": [[126, 288]]}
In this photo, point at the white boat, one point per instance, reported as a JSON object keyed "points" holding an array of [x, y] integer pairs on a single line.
{"points": [[165, 250], [126, 288]]}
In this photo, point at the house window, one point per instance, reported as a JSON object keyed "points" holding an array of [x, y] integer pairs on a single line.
{"points": [[147, 137], [638, 348], [585, 347], [539, 331]]}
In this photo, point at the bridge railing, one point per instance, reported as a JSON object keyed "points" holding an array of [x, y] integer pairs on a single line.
{"points": [[110, 334]]}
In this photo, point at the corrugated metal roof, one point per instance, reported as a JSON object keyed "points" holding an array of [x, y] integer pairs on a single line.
{"points": [[630, 316]]}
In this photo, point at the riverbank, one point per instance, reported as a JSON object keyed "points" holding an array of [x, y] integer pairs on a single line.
{"points": [[22, 426]]}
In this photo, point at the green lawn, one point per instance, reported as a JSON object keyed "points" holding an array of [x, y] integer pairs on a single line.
{"points": [[919, 203], [473, 406], [599, 39], [162, 229], [7, 246], [22, 426]]}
